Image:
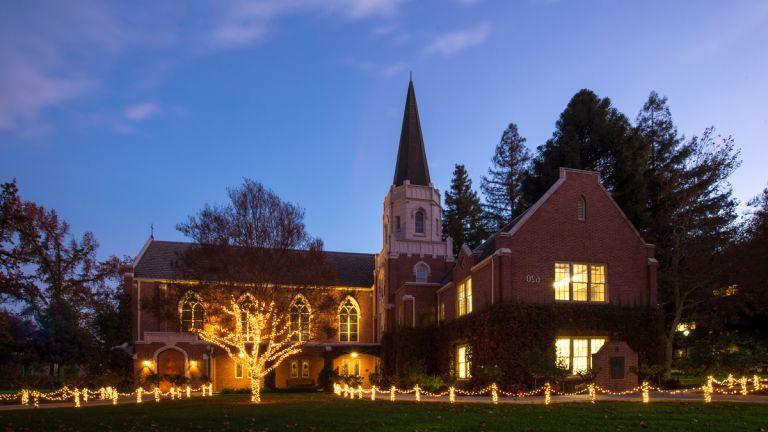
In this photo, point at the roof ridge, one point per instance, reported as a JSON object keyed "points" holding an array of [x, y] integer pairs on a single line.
{"points": [[324, 250]]}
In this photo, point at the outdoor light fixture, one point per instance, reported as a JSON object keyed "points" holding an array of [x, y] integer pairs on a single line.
{"points": [[147, 363], [193, 363], [353, 354]]}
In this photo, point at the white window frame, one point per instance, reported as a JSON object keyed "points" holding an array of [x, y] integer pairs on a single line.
{"points": [[591, 341], [590, 284]]}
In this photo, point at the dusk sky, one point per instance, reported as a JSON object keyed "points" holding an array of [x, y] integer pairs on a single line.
{"points": [[124, 115]]}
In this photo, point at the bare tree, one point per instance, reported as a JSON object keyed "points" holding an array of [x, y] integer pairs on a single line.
{"points": [[253, 261]]}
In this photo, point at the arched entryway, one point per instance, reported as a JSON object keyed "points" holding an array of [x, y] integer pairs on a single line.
{"points": [[170, 362]]}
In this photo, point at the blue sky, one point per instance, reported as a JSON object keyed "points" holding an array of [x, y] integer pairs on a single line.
{"points": [[121, 116]]}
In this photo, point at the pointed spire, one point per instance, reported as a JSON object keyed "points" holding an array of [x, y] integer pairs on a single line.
{"points": [[411, 158]]}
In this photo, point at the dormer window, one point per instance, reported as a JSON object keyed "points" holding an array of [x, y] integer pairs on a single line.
{"points": [[581, 209], [419, 223]]}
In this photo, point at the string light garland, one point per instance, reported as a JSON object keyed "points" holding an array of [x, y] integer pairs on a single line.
{"points": [[591, 391]]}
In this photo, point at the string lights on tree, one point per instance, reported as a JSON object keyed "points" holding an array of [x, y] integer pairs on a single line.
{"points": [[258, 337]]}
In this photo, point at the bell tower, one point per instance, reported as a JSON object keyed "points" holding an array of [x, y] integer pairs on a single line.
{"points": [[414, 256]]}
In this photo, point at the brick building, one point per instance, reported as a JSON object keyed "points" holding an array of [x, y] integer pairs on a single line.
{"points": [[573, 246]]}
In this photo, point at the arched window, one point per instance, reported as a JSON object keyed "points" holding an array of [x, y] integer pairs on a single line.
{"points": [[299, 315], [191, 311], [349, 320], [421, 271], [419, 223], [581, 209], [247, 305]]}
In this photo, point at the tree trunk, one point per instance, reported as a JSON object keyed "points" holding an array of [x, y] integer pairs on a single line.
{"points": [[255, 390]]}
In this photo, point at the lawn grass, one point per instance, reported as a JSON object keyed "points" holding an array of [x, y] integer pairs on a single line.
{"points": [[321, 412]]}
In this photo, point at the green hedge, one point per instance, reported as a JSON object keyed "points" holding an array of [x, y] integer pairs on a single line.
{"points": [[512, 342]]}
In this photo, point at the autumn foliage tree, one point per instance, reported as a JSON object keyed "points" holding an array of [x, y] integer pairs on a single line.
{"points": [[254, 260]]}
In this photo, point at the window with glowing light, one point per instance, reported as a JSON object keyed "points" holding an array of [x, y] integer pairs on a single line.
{"points": [[239, 367], [299, 316], [464, 297], [575, 354], [419, 222], [305, 368], [463, 362], [294, 368], [580, 282], [191, 311], [350, 367], [349, 320]]}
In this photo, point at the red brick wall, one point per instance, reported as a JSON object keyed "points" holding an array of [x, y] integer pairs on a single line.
{"points": [[601, 363], [554, 233]]}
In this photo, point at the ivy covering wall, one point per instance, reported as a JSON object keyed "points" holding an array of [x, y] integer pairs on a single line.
{"points": [[513, 344]]}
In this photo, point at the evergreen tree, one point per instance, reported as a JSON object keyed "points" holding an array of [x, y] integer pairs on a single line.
{"points": [[593, 135], [502, 187], [463, 215], [691, 212], [665, 168]]}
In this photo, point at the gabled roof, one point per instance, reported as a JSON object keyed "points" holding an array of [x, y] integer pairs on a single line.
{"points": [[489, 246], [411, 158], [157, 262]]}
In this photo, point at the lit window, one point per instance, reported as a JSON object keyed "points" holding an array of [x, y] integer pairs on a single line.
{"points": [[597, 283], [239, 371], [562, 281], [350, 367], [294, 368], [299, 317], [305, 368], [349, 316], [419, 224], [580, 282], [463, 362], [441, 313], [464, 297], [421, 270], [191, 311], [575, 354], [581, 210]]}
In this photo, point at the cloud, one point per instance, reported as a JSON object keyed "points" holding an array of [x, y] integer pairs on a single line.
{"points": [[58, 54], [392, 70], [451, 43], [245, 22], [141, 111]]}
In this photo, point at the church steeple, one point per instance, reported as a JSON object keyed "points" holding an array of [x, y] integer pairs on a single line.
{"points": [[411, 158]]}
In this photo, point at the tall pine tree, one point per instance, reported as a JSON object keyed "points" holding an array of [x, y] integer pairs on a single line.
{"points": [[691, 212], [463, 214], [503, 186], [593, 135]]}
